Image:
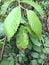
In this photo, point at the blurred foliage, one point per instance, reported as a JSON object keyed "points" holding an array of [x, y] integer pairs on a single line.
{"points": [[45, 4], [31, 55], [36, 50]]}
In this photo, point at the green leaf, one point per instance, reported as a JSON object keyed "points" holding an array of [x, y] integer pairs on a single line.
{"points": [[11, 59], [30, 46], [42, 56], [4, 7], [23, 20], [4, 62], [20, 59], [22, 38], [34, 23], [35, 55], [36, 42], [12, 22], [28, 28], [37, 48], [31, 33], [40, 61], [34, 62], [17, 63], [46, 50], [8, 61], [36, 6], [46, 42]]}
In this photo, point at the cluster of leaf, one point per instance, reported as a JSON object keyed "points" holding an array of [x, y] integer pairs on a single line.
{"points": [[31, 26], [45, 4], [8, 61], [34, 54], [27, 33], [41, 48]]}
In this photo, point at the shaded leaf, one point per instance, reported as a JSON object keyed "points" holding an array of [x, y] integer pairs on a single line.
{"points": [[37, 48], [42, 56], [46, 50], [34, 62], [11, 60], [35, 55], [8, 61], [5, 62], [40, 61], [36, 42], [17, 63], [30, 46], [46, 42]]}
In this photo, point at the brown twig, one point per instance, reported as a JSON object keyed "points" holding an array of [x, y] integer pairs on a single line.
{"points": [[2, 50]]}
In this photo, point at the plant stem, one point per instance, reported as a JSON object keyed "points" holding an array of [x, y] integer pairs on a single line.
{"points": [[23, 8]]}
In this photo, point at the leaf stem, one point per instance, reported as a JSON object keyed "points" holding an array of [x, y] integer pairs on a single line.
{"points": [[23, 8]]}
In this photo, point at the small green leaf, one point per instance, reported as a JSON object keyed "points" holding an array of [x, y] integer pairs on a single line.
{"points": [[35, 55], [37, 48], [30, 46], [12, 22], [34, 23], [17, 63], [22, 38], [36, 6], [34, 62], [42, 56], [40, 61], [46, 42], [4, 62], [8, 61], [46, 50], [4, 7], [36, 42], [11, 59]]}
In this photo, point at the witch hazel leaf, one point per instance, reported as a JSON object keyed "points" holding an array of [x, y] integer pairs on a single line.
{"points": [[34, 23], [12, 22], [22, 38]]}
